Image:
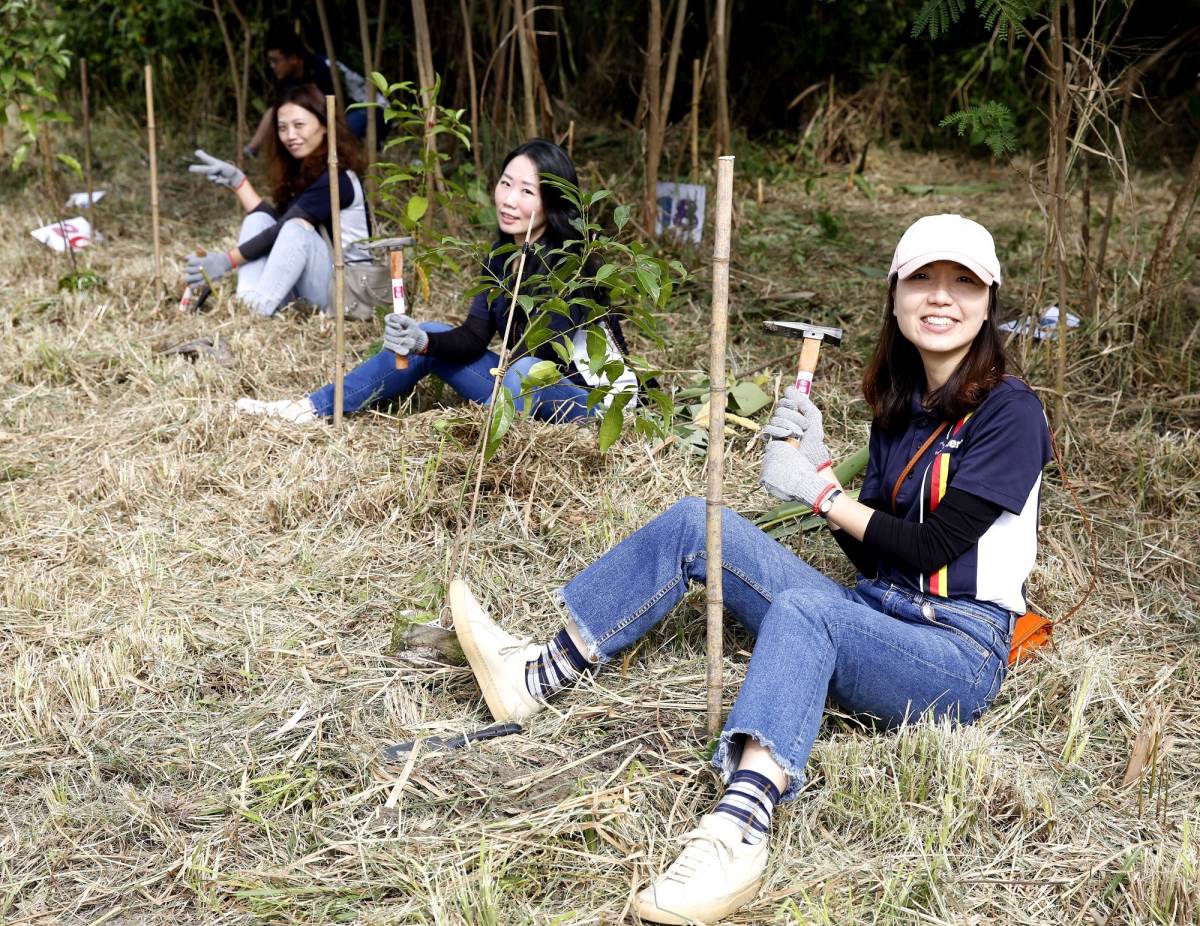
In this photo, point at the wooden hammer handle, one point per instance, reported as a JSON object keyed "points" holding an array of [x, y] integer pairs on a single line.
{"points": [[809, 352], [399, 302]]}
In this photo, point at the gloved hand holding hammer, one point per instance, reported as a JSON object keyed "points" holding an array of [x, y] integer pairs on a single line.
{"points": [[796, 463]]}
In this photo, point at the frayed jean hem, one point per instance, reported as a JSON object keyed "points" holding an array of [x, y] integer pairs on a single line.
{"points": [[593, 655], [729, 753]]}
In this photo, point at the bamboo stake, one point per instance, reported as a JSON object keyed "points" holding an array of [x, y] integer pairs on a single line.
{"points": [[87, 143], [364, 34], [716, 436], [327, 38], [528, 109], [469, 54], [335, 209], [158, 290], [722, 89], [695, 120]]}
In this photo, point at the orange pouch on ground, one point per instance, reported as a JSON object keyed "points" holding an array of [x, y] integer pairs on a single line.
{"points": [[1031, 632]]}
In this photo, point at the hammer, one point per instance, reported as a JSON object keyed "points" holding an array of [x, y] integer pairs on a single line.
{"points": [[813, 336], [395, 252]]}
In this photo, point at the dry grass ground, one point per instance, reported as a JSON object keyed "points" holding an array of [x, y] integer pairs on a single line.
{"points": [[198, 613]]}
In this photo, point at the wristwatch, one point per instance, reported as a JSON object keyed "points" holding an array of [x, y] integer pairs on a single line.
{"points": [[827, 502]]}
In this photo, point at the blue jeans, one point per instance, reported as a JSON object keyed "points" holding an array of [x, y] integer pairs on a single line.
{"points": [[298, 265], [377, 380], [875, 649]]}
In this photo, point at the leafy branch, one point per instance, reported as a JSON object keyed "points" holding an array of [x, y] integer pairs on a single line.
{"points": [[989, 123]]}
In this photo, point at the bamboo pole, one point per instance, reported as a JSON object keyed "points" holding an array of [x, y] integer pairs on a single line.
{"points": [[158, 290], [327, 39], [335, 209], [469, 54], [716, 436], [652, 88], [695, 120], [722, 88], [528, 108], [364, 34], [87, 143]]}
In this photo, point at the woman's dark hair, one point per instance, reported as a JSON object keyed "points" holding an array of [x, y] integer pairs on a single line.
{"points": [[289, 177], [550, 160], [895, 371]]}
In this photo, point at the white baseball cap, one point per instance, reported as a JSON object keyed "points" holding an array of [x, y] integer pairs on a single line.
{"points": [[946, 237]]}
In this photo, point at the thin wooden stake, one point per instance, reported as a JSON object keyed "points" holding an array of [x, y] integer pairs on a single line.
{"points": [[327, 38], [695, 120], [87, 143], [339, 318], [716, 436], [370, 143], [158, 290]]}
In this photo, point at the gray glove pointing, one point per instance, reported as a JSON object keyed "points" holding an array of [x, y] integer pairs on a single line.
{"points": [[222, 173], [403, 336], [206, 269], [789, 475]]}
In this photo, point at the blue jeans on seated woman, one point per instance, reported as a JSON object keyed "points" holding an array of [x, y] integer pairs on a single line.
{"points": [[875, 649], [377, 380], [298, 266]]}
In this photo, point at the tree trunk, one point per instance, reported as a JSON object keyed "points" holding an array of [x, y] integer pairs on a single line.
{"points": [[239, 90], [654, 127], [722, 79], [1160, 263], [1060, 117], [364, 35], [469, 54], [327, 37], [427, 77], [673, 61], [522, 17]]}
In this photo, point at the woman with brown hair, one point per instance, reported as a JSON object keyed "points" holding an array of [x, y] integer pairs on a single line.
{"points": [[281, 254]]}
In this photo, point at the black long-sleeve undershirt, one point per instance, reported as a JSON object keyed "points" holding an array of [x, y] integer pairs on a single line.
{"points": [[954, 527], [463, 344]]}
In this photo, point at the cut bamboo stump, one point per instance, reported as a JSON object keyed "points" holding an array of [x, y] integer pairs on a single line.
{"points": [[339, 269], [716, 438]]}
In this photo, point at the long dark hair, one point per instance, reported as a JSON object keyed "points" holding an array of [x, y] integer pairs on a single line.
{"points": [[895, 371], [550, 160], [290, 177]]}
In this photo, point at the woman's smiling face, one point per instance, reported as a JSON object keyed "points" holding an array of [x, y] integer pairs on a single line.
{"points": [[940, 308], [300, 130], [518, 199]]}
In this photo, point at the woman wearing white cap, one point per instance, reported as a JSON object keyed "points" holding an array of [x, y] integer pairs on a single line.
{"points": [[943, 535]]}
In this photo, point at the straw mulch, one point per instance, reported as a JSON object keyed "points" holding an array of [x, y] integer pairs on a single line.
{"points": [[202, 616]]}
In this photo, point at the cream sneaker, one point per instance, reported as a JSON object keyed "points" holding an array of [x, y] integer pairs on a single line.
{"points": [[297, 411], [715, 875], [497, 658]]}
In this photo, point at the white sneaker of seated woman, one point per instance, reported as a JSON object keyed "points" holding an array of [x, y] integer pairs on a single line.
{"points": [[715, 875], [297, 411], [497, 658]]}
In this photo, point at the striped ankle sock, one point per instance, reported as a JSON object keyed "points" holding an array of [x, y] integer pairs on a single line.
{"points": [[750, 800], [557, 665]]}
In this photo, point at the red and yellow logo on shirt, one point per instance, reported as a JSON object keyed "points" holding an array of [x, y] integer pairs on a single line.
{"points": [[939, 477]]}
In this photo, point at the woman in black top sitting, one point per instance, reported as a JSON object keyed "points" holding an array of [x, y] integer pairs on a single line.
{"points": [[459, 355]]}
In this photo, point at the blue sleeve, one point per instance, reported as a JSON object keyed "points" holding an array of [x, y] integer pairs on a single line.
{"points": [[313, 203], [1005, 447]]}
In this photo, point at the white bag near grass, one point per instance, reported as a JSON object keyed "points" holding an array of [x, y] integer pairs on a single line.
{"points": [[75, 233]]}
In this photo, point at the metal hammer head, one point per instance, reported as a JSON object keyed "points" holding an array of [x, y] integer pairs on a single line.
{"points": [[388, 244], [805, 331]]}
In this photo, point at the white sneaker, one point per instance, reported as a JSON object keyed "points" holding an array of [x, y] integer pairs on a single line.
{"points": [[497, 658], [297, 411], [715, 875]]}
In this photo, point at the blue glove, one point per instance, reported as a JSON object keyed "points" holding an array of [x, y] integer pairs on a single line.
{"points": [[789, 475], [222, 173], [403, 336], [207, 269]]}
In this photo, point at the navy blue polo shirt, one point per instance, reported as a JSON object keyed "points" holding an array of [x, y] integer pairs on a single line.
{"points": [[997, 453]]}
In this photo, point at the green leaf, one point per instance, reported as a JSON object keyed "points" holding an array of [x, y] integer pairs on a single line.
{"points": [[417, 207], [20, 156], [70, 162], [614, 418], [620, 216], [380, 82], [542, 373], [502, 416], [749, 398], [597, 350]]}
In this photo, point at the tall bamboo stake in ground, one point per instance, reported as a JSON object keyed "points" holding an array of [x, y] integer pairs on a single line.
{"points": [[158, 290], [364, 32], [695, 133], [87, 143], [335, 209], [716, 435]]}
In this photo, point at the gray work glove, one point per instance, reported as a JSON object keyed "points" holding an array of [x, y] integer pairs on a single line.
{"points": [[789, 475], [250, 151], [206, 269], [403, 336], [222, 173], [796, 416]]}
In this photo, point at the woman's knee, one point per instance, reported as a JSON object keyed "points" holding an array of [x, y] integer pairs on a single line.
{"points": [[804, 613], [254, 223]]}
